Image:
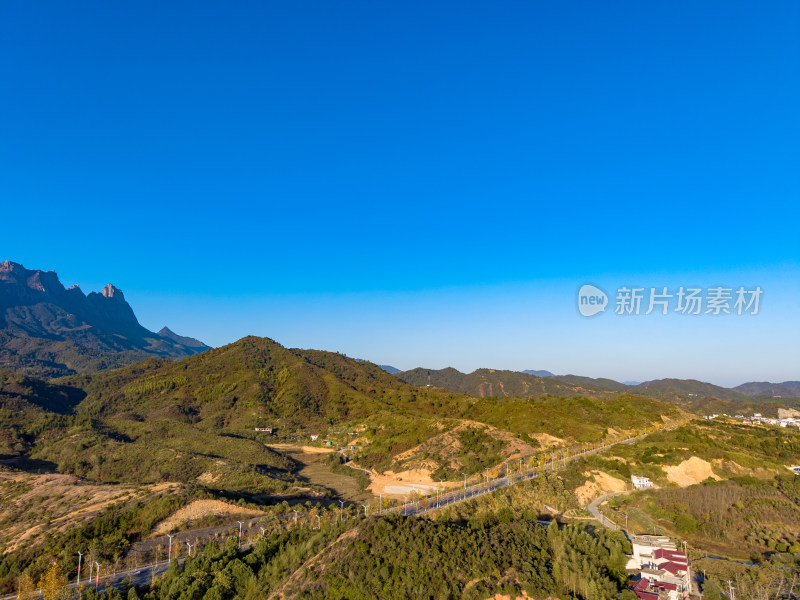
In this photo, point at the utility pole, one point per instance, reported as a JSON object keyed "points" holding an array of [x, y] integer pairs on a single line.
{"points": [[169, 556], [190, 548], [240, 531], [80, 558]]}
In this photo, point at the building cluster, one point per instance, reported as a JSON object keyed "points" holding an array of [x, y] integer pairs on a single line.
{"points": [[760, 419], [658, 569]]}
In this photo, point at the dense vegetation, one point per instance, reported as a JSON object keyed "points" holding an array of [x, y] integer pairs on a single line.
{"points": [[401, 558], [744, 517], [180, 421], [499, 383]]}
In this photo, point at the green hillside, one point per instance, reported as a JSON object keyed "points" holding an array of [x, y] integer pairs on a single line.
{"points": [[484, 383], [30, 410], [193, 420], [598, 382], [687, 389]]}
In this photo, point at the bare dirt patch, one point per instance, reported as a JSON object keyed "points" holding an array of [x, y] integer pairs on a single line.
{"points": [[28, 501], [691, 471], [546, 440], [397, 485], [294, 448], [603, 484], [201, 508]]}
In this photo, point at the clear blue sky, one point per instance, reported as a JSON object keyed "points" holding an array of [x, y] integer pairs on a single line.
{"points": [[415, 183]]}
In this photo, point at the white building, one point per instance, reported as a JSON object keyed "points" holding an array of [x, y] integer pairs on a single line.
{"points": [[656, 559], [641, 483]]}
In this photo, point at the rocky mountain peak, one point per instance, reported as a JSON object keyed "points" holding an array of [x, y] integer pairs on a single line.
{"points": [[112, 292]]}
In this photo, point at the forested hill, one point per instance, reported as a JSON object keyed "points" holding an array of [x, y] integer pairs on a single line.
{"points": [[161, 419], [500, 383]]}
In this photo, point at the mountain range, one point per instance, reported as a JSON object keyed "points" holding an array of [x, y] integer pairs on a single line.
{"points": [[692, 394], [48, 330]]}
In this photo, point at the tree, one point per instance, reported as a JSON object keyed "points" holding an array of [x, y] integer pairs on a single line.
{"points": [[27, 588], [53, 583], [711, 590]]}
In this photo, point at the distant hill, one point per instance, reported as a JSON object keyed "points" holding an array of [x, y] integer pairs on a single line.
{"points": [[389, 369], [187, 342], [484, 383], [686, 388], [538, 373], [765, 388], [693, 396], [601, 382], [49, 331]]}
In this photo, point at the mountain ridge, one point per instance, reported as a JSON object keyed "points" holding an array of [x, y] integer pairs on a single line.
{"points": [[48, 330]]}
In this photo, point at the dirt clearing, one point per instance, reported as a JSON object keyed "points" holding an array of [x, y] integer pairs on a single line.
{"points": [[689, 472], [201, 508], [29, 501], [603, 484]]}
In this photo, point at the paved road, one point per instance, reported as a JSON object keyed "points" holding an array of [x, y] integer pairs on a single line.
{"points": [[593, 508]]}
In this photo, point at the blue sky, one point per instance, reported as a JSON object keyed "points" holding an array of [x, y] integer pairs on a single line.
{"points": [[416, 184]]}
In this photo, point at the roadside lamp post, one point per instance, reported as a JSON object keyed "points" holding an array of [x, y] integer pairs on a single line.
{"points": [[169, 552]]}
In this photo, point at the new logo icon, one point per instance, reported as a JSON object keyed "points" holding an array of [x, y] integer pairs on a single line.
{"points": [[591, 300]]}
